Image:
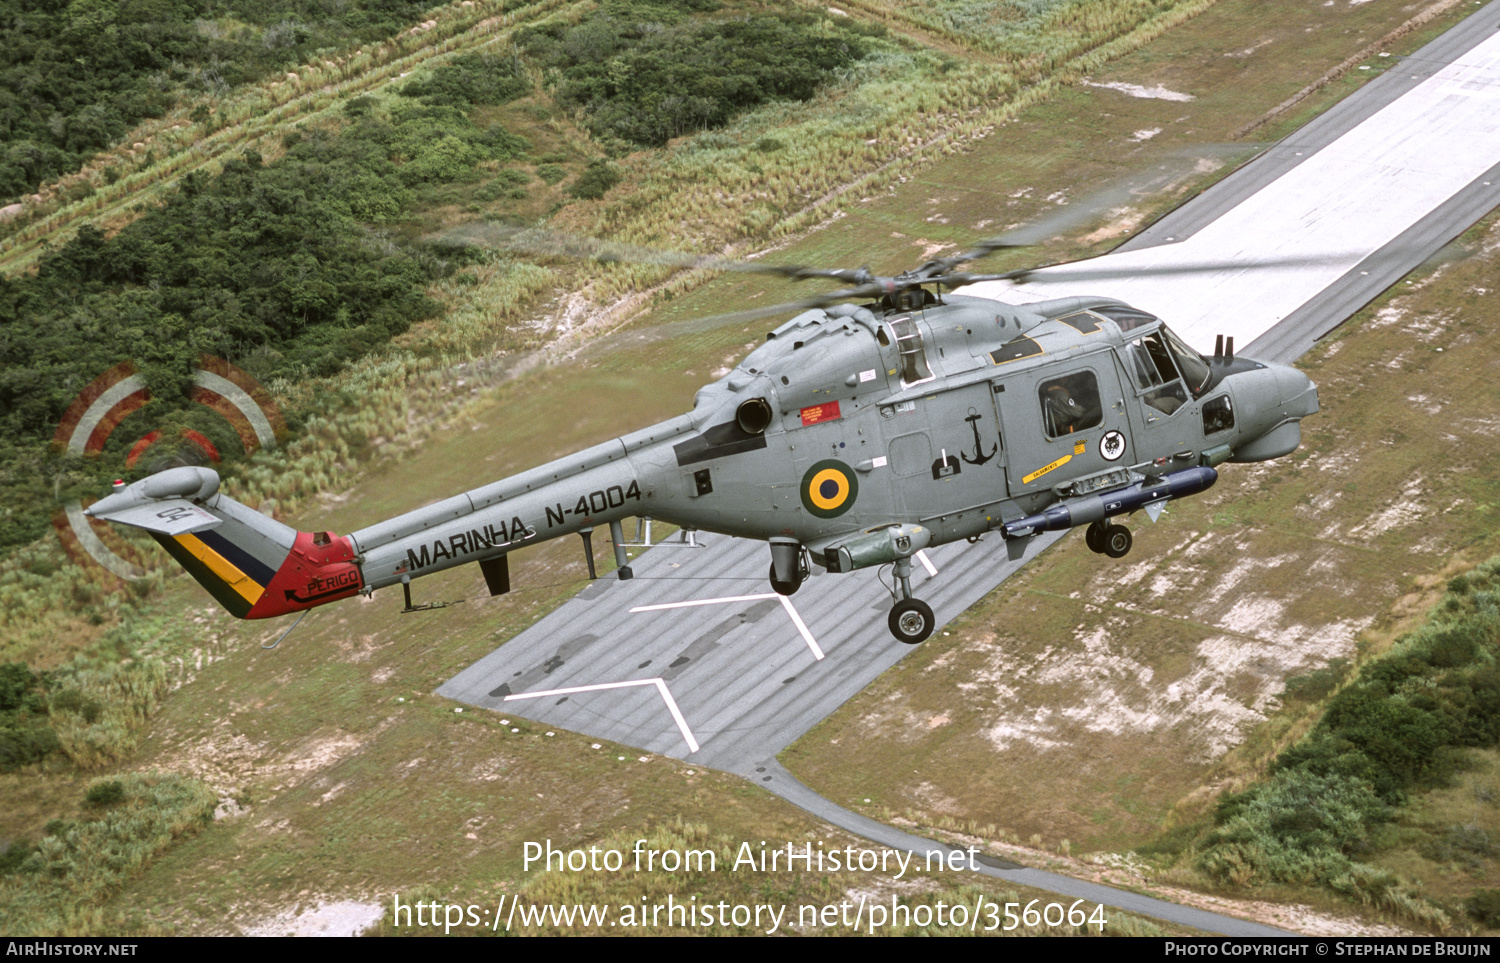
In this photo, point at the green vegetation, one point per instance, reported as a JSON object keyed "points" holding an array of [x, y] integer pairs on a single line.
{"points": [[76, 77], [24, 735], [271, 266], [1484, 908], [647, 72], [55, 887], [595, 181], [105, 792], [1399, 726], [91, 706], [470, 80]]}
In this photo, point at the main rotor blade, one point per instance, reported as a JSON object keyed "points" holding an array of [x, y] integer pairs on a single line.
{"points": [[536, 241], [863, 291], [1071, 271], [634, 336], [1108, 202]]}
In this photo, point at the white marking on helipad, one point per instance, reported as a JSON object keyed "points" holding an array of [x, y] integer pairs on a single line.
{"points": [[807, 636], [927, 563], [683, 605], [786, 603], [661, 686]]}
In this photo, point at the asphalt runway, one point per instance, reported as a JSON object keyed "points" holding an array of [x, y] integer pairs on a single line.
{"points": [[696, 659]]}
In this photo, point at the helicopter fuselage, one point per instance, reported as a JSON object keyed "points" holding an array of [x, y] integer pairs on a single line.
{"points": [[856, 436]]}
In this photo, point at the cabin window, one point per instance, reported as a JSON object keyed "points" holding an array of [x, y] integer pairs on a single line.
{"points": [[1070, 404]]}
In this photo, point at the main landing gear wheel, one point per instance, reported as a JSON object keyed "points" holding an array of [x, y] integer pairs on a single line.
{"points": [[1117, 541], [1093, 537], [911, 621], [783, 588]]}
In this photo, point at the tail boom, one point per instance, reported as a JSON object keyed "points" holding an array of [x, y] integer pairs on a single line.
{"points": [[254, 566]]}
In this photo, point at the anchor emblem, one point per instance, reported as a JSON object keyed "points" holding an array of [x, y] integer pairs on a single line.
{"points": [[979, 456]]}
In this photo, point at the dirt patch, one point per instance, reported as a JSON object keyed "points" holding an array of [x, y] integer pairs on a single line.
{"points": [[1406, 509], [228, 760], [225, 759], [1123, 221], [1136, 90], [335, 918], [1230, 684]]}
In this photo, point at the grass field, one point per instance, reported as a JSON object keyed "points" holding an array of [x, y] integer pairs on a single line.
{"points": [[356, 783]]}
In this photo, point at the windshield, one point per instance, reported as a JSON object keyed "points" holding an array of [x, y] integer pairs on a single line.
{"points": [[1194, 370]]}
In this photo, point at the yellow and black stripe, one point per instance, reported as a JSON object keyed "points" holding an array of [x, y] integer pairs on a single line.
{"points": [[232, 576], [829, 488]]}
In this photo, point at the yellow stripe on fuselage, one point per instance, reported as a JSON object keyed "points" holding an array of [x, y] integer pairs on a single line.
{"points": [[1046, 468], [243, 585]]}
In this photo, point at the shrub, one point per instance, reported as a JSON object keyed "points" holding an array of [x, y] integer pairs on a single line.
{"points": [[596, 181], [16, 681], [22, 745], [1317, 684], [1484, 907], [473, 79], [13, 854], [79, 864], [648, 75], [105, 792]]}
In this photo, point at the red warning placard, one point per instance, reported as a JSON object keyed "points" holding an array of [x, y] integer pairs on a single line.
{"points": [[828, 411]]}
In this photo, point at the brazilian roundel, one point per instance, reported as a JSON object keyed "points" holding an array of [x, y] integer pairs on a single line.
{"points": [[829, 489]]}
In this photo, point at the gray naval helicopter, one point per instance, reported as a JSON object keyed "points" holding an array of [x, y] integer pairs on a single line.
{"points": [[857, 435]]}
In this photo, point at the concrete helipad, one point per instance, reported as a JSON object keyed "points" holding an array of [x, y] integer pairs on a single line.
{"points": [[696, 657]]}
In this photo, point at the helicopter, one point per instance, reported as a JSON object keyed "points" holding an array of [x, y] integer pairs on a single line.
{"points": [[856, 436]]}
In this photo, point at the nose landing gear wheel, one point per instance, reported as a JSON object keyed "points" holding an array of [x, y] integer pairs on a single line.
{"points": [[1117, 541], [1093, 537], [783, 588], [911, 621]]}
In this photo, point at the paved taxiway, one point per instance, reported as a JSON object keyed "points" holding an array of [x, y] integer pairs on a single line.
{"points": [[1348, 204]]}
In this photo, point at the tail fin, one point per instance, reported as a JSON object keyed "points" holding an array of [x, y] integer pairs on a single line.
{"points": [[254, 566]]}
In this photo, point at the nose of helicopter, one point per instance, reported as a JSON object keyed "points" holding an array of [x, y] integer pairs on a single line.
{"points": [[1273, 399], [1299, 396]]}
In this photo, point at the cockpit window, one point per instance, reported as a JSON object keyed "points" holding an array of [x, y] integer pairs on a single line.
{"points": [[1218, 415], [914, 367], [1126, 317], [1194, 371], [1149, 361]]}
